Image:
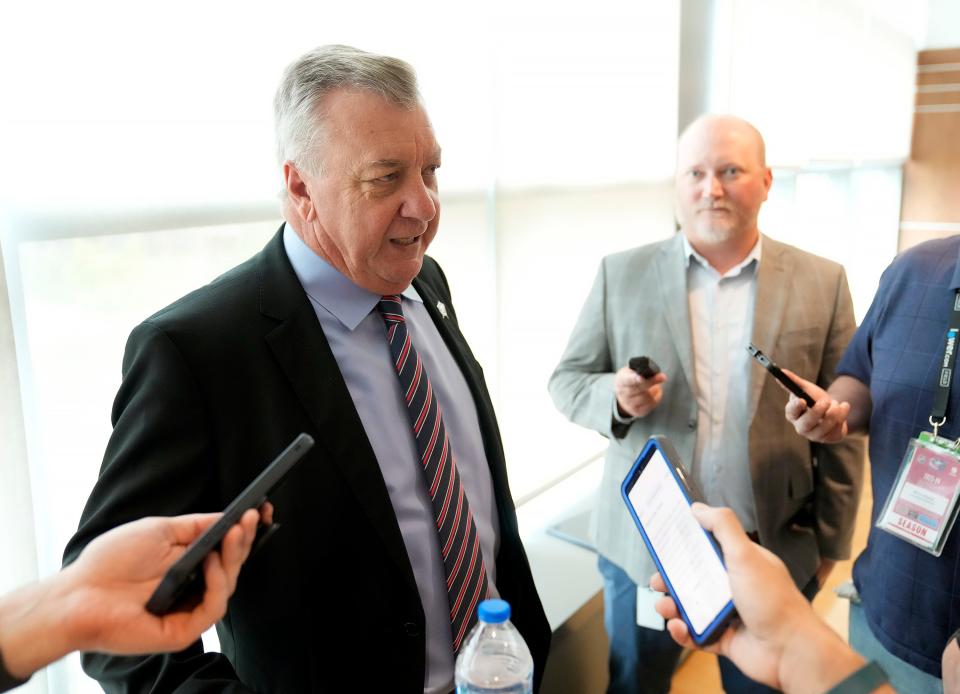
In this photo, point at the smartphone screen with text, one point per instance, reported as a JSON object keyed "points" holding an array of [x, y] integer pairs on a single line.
{"points": [[659, 498]]}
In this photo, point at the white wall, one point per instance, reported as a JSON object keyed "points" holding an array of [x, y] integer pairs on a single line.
{"points": [[943, 25]]}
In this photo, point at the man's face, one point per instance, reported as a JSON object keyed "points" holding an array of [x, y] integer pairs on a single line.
{"points": [[374, 208], [721, 182]]}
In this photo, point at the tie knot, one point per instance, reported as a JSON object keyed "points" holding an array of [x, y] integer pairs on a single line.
{"points": [[390, 308]]}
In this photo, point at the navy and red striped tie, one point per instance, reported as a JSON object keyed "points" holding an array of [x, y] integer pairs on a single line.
{"points": [[459, 541]]}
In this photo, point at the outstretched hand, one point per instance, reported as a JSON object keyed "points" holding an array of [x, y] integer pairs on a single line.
{"points": [[825, 422], [116, 573], [755, 644], [98, 602], [778, 639]]}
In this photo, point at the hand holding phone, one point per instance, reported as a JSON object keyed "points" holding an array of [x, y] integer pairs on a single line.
{"points": [[183, 581], [778, 374], [658, 496], [771, 610], [636, 397]]}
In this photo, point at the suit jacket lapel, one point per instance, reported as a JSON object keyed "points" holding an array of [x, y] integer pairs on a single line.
{"points": [[772, 292], [493, 448], [299, 345], [457, 344], [672, 276], [446, 327]]}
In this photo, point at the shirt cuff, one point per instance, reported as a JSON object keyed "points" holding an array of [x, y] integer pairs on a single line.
{"points": [[616, 413]]}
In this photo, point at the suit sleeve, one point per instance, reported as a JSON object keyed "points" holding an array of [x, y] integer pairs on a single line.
{"points": [[582, 384], [839, 469], [158, 462]]}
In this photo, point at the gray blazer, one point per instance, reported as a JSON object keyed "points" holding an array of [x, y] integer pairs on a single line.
{"points": [[805, 494]]}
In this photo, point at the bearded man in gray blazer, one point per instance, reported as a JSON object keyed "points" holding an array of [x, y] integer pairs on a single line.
{"points": [[693, 303]]}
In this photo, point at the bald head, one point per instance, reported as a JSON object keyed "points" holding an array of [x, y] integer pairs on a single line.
{"points": [[711, 124], [722, 180]]}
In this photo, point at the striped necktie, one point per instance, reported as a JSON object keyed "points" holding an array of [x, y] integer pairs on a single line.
{"points": [[459, 541]]}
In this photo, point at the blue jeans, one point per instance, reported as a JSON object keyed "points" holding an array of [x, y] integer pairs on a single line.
{"points": [[903, 676], [642, 660]]}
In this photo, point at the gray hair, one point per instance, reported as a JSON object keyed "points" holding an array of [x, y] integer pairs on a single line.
{"points": [[298, 115]]}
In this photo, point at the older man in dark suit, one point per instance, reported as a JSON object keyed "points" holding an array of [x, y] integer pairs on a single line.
{"points": [[401, 520]]}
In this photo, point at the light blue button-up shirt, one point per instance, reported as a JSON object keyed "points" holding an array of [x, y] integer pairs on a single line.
{"points": [[721, 325], [357, 337]]}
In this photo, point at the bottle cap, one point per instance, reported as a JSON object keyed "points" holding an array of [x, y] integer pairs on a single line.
{"points": [[494, 611]]}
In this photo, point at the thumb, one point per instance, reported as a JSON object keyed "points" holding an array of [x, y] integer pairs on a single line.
{"points": [[723, 523]]}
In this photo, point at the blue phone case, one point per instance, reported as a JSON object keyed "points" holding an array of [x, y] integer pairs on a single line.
{"points": [[719, 624]]}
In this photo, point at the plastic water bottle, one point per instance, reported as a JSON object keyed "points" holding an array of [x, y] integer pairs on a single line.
{"points": [[494, 659]]}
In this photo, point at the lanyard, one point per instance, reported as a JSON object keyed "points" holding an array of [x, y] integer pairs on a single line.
{"points": [[941, 397]]}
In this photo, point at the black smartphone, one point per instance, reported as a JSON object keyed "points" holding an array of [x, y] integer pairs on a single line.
{"points": [[775, 371], [183, 583], [658, 495], [644, 366]]}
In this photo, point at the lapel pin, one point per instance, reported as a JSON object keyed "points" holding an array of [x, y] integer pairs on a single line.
{"points": [[442, 309]]}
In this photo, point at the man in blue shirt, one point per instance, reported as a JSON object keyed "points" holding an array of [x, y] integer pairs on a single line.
{"points": [[885, 386]]}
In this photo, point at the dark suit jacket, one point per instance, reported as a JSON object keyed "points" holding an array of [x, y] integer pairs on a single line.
{"points": [[214, 386]]}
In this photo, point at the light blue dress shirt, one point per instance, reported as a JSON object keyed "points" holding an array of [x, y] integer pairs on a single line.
{"points": [[721, 325], [357, 337]]}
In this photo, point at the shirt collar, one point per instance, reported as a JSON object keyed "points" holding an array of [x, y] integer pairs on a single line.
{"points": [[330, 288], [753, 256]]}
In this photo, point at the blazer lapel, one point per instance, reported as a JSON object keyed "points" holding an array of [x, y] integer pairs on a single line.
{"points": [[446, 325], [304, 355], [772, 292], [672, 281], [452, 337], [457, 344]]}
